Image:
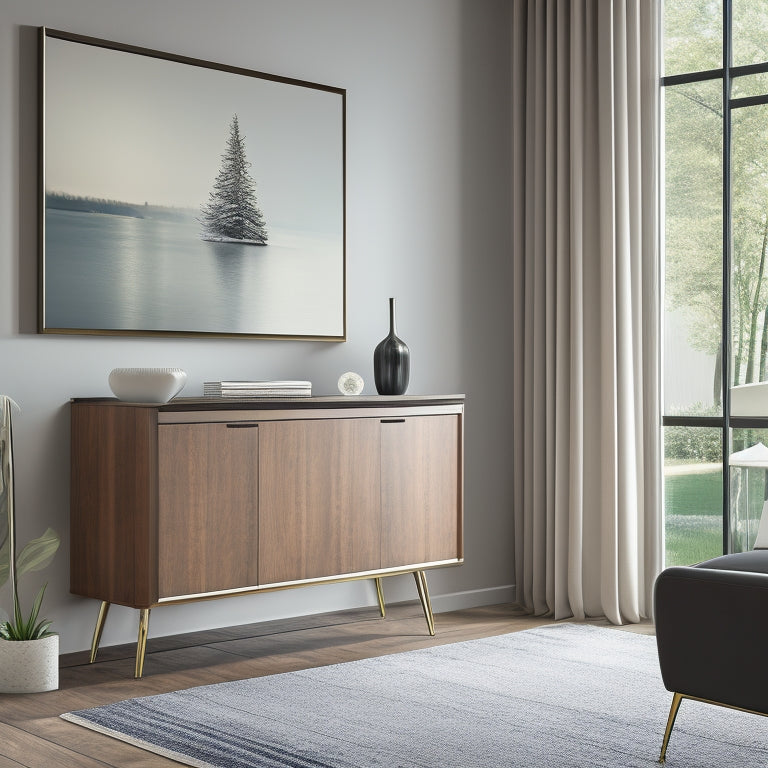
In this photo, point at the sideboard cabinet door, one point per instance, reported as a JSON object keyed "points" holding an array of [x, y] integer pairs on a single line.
{"points": [[420, 491], [319, 506], [208, 508]]}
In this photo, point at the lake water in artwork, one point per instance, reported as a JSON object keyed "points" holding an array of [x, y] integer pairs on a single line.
{"points": [[109, 272]]}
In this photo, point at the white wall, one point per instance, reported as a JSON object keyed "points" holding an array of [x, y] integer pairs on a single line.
{"points": [[427, 221]]}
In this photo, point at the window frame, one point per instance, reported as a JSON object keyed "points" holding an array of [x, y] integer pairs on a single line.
{"points": [[727, 74]]}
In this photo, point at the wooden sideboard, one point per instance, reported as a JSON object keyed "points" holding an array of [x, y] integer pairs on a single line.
{"points": [[204, 498]]}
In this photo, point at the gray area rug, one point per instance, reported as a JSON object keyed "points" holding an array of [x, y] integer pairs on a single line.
{"points": [[557, 696]]}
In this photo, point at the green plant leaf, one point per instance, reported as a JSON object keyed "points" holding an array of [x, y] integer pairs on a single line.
{"points": [[27, 629], [41, 630], [18, 618], [37, 554], [7, 541], [5, 560], [5, 512], [35, 611]]}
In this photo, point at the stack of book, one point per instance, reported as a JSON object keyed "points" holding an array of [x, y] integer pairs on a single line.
{"points": [[251, 389]]}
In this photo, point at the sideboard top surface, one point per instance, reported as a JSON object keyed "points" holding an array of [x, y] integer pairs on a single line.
{"points": [[284, 403]]}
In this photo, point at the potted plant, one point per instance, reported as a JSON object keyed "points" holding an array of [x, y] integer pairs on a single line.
{"points": [[29, 651]]}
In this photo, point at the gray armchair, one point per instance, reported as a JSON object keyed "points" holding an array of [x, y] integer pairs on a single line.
{"points": [[711, 632]]}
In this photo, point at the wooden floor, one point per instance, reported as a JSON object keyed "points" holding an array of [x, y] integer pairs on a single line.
{"points": [[33, 735]]}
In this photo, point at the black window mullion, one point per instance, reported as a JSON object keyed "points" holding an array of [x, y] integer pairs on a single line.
{"points": [[748, 101], [749, 69], [692, 77], [692, 421], [714, 74], [726, 306]]}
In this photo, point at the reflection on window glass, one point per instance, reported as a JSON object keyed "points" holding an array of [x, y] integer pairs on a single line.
{"points": [[749, 270], [748, 485], [693, 494], [693, 35], [693, 249], [750, 22]]}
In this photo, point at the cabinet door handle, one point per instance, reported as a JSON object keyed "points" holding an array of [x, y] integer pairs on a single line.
{"points": [[393, 421], [249, 425]]}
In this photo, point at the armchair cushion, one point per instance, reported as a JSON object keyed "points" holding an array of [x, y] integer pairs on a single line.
{"points": [[755, 561]]}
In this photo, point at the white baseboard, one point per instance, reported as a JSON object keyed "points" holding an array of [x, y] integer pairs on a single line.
{"points": [[473, 598]]}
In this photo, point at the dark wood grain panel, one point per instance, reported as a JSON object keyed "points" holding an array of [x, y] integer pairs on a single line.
{"points": [[319, 499], [207, 519], [113, 504], [420, 490]]}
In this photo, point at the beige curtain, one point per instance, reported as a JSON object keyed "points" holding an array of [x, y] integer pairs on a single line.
{"points": [[586, 292]]}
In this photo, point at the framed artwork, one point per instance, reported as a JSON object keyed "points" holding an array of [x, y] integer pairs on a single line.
{"points": [[185, 197]]}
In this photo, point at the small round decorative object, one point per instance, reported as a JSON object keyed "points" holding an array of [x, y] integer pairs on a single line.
{"points": [[147, 385], [351, 383]]}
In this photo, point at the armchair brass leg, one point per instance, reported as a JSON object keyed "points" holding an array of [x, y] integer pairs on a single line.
{"points": [[141, 645], [421, 586], [380, 595], [676, 699], [98, 629]]}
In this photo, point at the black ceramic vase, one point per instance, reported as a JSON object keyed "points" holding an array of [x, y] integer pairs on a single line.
{"points": [[391, 361]]}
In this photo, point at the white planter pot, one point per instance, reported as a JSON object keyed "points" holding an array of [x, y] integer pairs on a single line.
{"points": [[29, 666]]}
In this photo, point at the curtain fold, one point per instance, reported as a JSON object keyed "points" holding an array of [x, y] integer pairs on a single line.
{"points": [[586, 306]]}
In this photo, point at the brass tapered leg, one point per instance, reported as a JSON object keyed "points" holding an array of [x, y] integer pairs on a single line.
{"points": [[380, 595], [676, 699], [98, 629], [421, 586], [141, 645]]}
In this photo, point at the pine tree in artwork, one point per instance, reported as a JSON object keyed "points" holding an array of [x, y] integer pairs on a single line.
{"points": [[231, 213]]}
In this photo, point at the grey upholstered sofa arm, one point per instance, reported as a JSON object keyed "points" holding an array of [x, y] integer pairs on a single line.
{"points": [[712, 630]]}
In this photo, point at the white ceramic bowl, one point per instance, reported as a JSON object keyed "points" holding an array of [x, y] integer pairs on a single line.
{"points": [[147, 385]]}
